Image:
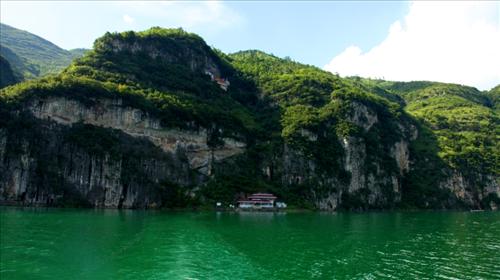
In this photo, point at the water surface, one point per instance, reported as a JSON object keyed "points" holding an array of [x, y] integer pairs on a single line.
{"points": [[112, 244]]}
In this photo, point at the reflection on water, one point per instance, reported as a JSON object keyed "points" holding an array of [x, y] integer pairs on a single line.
{"points": [[98, 244]]}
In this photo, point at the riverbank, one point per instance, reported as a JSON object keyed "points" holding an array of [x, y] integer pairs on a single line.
{"points": [[292, 209]]}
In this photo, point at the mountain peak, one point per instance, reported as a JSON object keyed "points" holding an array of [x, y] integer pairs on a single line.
{"points": [[152, 35], [170, 44], [160, 57]]}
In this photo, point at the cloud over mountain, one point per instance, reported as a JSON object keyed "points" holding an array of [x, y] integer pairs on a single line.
{"points": [[456, 42]]}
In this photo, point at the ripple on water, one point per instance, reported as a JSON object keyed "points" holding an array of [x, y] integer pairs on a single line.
{"points": [[129, 245]]}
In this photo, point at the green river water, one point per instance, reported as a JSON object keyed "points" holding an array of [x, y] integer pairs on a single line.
{"points": [[112, 244]]}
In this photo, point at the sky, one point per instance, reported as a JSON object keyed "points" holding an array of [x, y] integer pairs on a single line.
{"points": [[456, 42]]}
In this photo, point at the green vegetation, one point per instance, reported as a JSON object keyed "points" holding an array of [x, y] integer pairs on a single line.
{"points": [[494, 98], [7, 77], [31, 56], [420, 186], [14, 62], [179, 96], [176, 61], [174, 110], [458, 130], [316, 110], [467, 131], [295, 119]]}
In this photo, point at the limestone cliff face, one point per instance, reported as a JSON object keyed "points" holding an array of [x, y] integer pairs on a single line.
{"points": [[148, 117], [370, 184], [471, 195], [134, 122], [42, 166], [59, 173]]}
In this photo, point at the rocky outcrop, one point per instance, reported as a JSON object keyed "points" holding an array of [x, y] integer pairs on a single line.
{"points": [[354, 162], [473, 196], [369, 184], [400, 152], [43, 165], [111, 113], [362, 116]]}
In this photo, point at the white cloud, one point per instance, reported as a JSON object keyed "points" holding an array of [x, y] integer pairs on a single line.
{"points": [[58, 20], [209, 15], [456, 42], [128, 19]]}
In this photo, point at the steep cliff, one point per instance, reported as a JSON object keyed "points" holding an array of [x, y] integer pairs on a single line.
{"points": [[105, 155], [422, 144], [159, 119], [455, 158], [360, 169], [76, 140], [342, 146]]}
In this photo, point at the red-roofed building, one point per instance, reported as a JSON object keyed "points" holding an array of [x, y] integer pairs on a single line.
{"points": [[223, 83], [258, 201]]}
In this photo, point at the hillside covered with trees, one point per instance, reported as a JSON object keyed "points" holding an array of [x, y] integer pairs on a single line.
{"points": [[152, 126], [31, 56]]}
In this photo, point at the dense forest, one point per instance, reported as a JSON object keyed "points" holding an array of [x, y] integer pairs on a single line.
{"points": [[315, 139]]}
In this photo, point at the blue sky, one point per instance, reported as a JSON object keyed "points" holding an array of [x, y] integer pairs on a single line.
{"points": [[364, 38], [311, 32]]}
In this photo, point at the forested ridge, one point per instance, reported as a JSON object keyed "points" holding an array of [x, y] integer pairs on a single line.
{"points": [[315, 139]]}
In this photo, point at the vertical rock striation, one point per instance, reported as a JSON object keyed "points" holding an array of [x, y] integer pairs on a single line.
{"points": [[45, 164]]}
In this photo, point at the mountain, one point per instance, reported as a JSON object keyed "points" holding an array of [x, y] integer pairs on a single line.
{"points": [[494, 96], [32, 56], [7, 76], [159, 119], [464, 126]]}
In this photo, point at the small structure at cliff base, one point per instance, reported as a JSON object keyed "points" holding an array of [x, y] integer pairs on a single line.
{"points": [[260, 201]]}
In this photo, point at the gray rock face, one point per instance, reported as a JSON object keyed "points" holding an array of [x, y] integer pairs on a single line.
{"points": [[134, 122], [470, 194], [48, 170], [41, 166], [373, 187], [363, 116], [354, 162]]}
